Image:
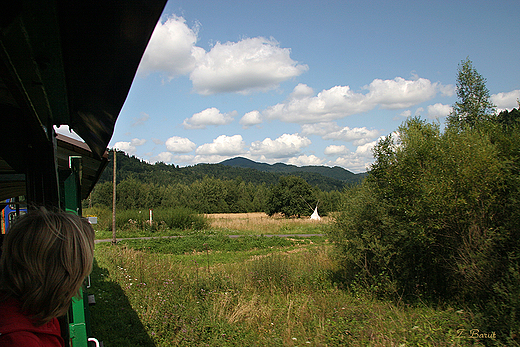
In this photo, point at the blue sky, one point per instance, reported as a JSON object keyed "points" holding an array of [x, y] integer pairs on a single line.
{"points": [[308, 82]]}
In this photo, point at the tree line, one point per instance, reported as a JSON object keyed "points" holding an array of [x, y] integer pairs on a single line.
{"points": [[215, 195]]}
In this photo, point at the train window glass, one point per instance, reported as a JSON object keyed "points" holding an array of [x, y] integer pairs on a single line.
{"points": [[12, 216]]}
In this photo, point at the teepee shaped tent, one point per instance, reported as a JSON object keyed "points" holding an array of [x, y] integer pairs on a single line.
{"points": [[315, 215]]}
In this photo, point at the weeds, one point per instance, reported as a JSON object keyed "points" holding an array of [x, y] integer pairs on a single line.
{"points": [[283, 297]]}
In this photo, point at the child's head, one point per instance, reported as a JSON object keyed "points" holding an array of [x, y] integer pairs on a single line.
{"points": [[45, 258]]}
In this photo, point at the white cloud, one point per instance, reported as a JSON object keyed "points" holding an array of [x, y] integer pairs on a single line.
{"points": [[211, 159], [251, 118], [506, 101], [304, 160], [400, 93], [223, 145], [366, 150], [284, 146], [406, 113], [125, 147], [357, 161], [331, 131], [171, 49], [447, 90], [165, 157], [352, 162], [178, 144], [129, 147], [302, 91], [438, 110], [210, 116], [340, 101], [245, 66], [252, 64], [335, 150]]}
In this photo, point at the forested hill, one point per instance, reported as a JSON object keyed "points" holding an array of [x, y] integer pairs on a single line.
{"points": [[335, 172], [326, 179]]}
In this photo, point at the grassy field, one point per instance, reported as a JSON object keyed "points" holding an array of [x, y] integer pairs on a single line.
{"points": [[259, 223], [206, 289]]}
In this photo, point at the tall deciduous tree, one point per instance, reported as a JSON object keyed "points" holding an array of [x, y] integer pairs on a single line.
{"points": [[473, 105], [290, 197]]}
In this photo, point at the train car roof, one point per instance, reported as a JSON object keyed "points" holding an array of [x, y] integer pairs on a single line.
{"points": [[66, 62]]}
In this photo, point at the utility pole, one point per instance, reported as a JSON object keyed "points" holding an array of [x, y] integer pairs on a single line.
{"points": [[114, 241]]}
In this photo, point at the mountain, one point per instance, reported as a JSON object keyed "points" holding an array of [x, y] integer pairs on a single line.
{"points": [[325, 178], [335, 172]]}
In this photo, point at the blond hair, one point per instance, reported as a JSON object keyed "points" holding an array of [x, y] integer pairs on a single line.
{"points": [[45, 258]]}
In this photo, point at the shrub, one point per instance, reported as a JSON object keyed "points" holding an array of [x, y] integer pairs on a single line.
{"points": [[134, 220], [437, 218]]}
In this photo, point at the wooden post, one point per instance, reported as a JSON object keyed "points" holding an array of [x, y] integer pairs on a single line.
{"points": [[114, 241]]}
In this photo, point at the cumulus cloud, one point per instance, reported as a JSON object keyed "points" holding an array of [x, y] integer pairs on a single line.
{"points": [[284, 146], [223, 145], [366, 150], [331, 131], [356, 161], [210, 116], [233, 67], [304, 160], [438, 110], [250, 64], [406, 113], [340, 101], [251, 118], [125, 147], [352, 162], [178, 144], [335, 150], [506, 101], [129, 147], [400, 93], [171, 49], [165, 157], [302, 91]]}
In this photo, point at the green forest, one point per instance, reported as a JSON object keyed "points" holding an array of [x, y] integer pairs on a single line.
{"points": [[218, 188]]}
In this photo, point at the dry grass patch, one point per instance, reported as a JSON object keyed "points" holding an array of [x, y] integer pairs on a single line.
{"points": [[261, 223]]}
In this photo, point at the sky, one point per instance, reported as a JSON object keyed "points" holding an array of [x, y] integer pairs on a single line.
{"points": [[308, 82]]}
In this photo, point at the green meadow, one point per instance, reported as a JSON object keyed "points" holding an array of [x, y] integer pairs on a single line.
{"points": [[207, 289]]}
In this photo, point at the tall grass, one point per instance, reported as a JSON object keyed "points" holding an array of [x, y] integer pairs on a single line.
{"points": [[260, 223], [131, 223], [282, 297]]}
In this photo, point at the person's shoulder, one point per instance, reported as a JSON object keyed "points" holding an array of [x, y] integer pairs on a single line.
{"points": [[17, 329], [20, 338]]}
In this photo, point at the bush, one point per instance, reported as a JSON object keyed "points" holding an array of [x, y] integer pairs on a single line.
{"points": [[175, 218], [438, 218]]}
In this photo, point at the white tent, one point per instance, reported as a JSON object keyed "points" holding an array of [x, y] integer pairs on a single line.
{"points": [[315, 215]]}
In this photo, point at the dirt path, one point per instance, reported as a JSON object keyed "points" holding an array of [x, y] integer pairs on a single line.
{"points": [[172, 237]]}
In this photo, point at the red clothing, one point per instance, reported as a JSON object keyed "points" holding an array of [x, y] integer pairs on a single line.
{"points": [[17, 329]]}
